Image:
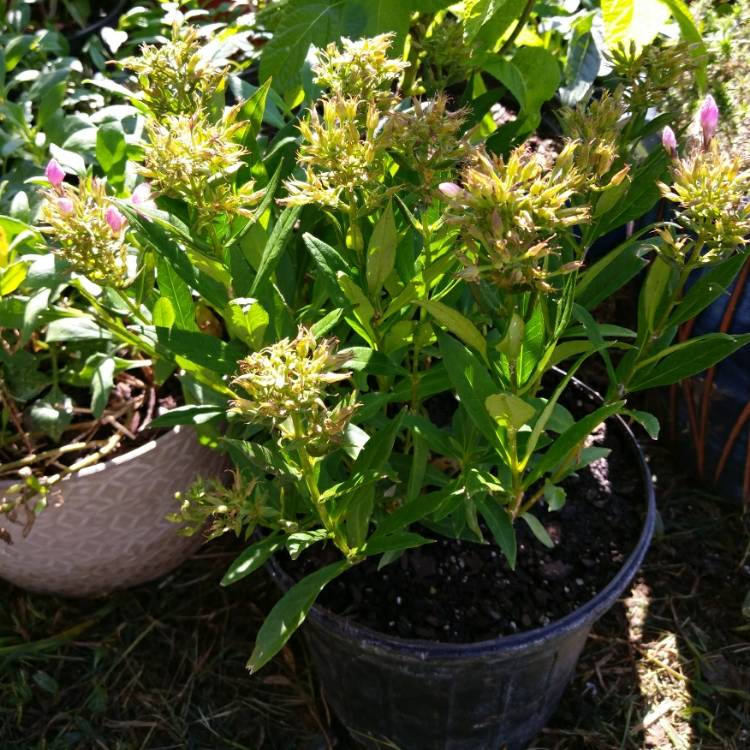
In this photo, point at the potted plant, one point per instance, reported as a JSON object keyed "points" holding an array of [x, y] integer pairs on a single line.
{"points": [[432, 446], [93, 315], [86, 481]]}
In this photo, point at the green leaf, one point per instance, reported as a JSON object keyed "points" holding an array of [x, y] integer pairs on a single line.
{"points": [[691, 33], [538, 530], [298, 542], [192, 414], [329, 263], [490, 16], [111, 152], [532, 76], [252, 558], [554, 495], [709, 287], [12, 277], [501, 527], [52, 414], [163, 313], [101, 385], [160, 241], [201, 349], [509, 410], [289, 613], [627, 21], [249, 320], [363, 310], [252, 112], [457, 324], [582, 64], [596, 336], [79, 328], [656, 294], [278, 240], [399, 540], [378, 449], [610, 273], [570, 440], [381, 251], [648, 421], [472, 383], [36, 305], [686, 359], [176, 290]]}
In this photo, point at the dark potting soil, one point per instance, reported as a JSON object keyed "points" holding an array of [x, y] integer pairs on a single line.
{"points": [[462, 592]]}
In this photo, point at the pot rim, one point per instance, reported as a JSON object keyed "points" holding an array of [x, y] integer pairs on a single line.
{"points": [[590, 611], [119, 460]]}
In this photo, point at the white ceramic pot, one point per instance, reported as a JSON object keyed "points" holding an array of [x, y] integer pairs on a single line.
{"points": [[105, 528]]}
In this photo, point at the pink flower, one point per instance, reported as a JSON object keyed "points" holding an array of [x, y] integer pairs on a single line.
{"points": [[65, 205], [669, 141], [709, 118], [142, 194], [115, 219], [54, 173], [450, 189]]}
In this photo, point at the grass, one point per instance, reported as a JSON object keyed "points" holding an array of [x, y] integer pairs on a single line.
{"points": [[162, 666]]}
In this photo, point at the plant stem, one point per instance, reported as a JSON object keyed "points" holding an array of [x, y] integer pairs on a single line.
{"points": [[523, 18]]}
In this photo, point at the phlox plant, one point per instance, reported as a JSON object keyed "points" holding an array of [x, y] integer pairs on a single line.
{"points": [[323, 287], [440, 269]]}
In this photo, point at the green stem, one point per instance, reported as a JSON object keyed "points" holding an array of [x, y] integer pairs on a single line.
{"points": [[523, 18]]}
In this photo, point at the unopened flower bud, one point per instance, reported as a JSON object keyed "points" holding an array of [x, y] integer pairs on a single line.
{"points": [[65, 205], [709, 118], [669, 141], [54, 173], [142, 194], [449, 189], [115, 219]]}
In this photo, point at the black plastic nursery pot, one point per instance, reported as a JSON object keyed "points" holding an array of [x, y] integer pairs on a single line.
{"points": [[410, 694]]}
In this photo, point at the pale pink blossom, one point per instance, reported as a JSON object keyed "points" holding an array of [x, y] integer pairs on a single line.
{"points": [[54, 173], [709, 118], [450, 189], [141, 195], [65, 205], [669, 141], [115, 219]]}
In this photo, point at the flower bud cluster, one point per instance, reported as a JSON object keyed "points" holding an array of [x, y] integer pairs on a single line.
{"points": [[596, 126], [360, 69], [86, 227], [710, 187], [286, 387], [177, 76], [360, 127], [213, 508], [652, 71], [190, 158], [509, 213]]}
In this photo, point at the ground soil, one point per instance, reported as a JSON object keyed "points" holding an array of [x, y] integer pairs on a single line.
{"points": [[460, 591]]}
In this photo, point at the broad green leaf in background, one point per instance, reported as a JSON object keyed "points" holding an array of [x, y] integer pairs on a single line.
{"points": [[532, 76], [489, 18], [583, 63], [627, 21]]}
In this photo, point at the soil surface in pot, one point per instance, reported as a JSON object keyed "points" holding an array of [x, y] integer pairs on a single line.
{"points": [[462, 592]]}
